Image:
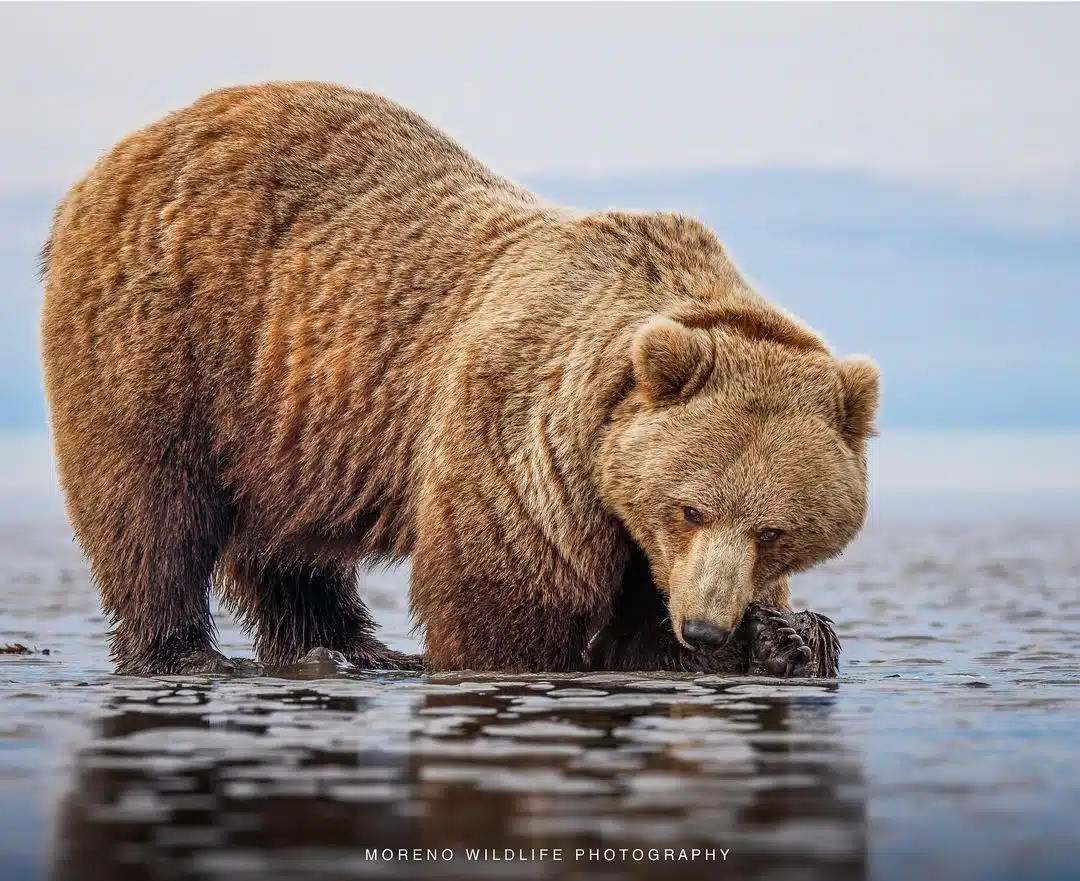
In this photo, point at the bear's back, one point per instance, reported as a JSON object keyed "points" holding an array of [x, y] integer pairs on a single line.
{"points": [[254, 167], [327, 139], [252, 267]]}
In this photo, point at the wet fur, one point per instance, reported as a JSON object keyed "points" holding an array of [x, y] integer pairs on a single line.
{"points": [[293, 328]]}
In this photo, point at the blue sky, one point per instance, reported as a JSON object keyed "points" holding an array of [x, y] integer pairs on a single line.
{"points": [[905, 177]]}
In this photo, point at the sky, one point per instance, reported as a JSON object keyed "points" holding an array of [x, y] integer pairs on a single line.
{"points": [[905, 177], [970, 94]]}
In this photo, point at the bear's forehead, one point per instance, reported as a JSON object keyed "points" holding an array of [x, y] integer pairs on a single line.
{"points": [[768, 380], [755, 357], [715, 432], [757, 424], [754, 459]]}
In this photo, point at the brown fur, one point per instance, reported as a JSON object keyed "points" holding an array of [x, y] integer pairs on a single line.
{"points": [[293, 327]]}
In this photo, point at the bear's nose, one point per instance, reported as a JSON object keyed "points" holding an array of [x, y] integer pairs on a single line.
{"points": [[703, 635]]}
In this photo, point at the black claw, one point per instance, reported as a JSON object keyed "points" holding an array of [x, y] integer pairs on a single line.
{"points": [[786, 644]]}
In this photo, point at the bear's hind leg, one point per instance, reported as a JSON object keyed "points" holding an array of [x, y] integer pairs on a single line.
{"points": [[152, 552], [292, 606]]}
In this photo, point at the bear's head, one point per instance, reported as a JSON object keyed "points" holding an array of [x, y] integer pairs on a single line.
{"points": [[737, 457]]}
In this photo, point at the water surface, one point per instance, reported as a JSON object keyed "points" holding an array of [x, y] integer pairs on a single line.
{"points": [[947, 749]]}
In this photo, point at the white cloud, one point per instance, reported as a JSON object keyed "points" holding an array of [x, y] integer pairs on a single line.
{"points": [[978, 96]]}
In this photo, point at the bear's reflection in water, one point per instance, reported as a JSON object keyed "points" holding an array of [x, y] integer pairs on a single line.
{"points": [[325, 779]]}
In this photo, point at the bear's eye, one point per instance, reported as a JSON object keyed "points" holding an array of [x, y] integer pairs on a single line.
{"points": [[768, 536], [693, 515]]}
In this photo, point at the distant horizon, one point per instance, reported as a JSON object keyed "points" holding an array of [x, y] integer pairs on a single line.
{"points": [[961, 463]]}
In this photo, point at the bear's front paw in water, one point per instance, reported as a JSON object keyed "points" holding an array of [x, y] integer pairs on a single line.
{"points": [[388, 659], [213, 663], [321, 661], [391, 660], [329, 660], [792, 645]]}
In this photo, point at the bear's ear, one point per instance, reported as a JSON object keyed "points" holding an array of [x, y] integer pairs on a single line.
{"points": [[670, 359], [860, 381]]}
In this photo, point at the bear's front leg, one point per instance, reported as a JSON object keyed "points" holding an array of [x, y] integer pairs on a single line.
{"points": [[483, 607], [789, 644], [479, 621]]}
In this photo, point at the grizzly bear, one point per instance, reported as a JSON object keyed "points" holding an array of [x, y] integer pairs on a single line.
{"points": [[293, 328]]}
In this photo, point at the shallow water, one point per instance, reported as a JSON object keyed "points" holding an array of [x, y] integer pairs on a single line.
{"points": [[947, 749]]}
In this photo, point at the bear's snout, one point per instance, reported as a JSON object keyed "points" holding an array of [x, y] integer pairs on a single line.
{"points": [[701, 635]]}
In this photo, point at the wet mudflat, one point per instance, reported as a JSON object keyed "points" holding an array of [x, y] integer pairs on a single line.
{"points": [[948, 748]]}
